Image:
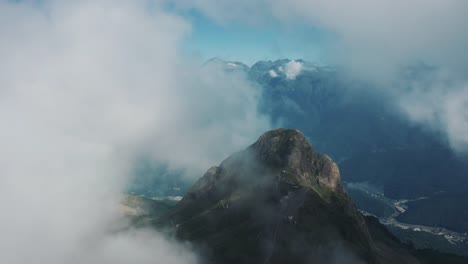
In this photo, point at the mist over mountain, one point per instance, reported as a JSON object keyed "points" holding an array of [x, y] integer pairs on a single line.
{"points": [[372, 140], [278, 201]]}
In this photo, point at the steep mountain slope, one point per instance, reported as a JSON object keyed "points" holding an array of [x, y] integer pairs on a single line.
{"points": [[279, 201]]}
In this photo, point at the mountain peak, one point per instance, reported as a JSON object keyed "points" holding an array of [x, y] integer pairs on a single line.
{"points": [[226, 65], [278, 201], [278, 146], [282, 156], [289, 150]]}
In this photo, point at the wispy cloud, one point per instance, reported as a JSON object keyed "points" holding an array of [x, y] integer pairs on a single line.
{"points": [[273, 73], [292, 69], [86, 88]]}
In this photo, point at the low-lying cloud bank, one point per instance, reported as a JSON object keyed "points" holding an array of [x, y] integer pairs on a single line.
{"points": [[375, 40], [87, 88], [442, 105]]}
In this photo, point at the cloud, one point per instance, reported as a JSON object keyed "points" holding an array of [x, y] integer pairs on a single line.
{"points": [[217, 115], [87, 88], [292, 69], [273, 74], [443, 107]]}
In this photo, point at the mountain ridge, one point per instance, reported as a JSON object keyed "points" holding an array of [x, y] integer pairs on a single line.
{"points": [[275, 202]]}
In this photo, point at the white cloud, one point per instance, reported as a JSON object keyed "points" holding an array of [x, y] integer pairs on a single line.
{"points": [[273, 74], [441, 107], [292, 69], [85, 89], [455, 109]]}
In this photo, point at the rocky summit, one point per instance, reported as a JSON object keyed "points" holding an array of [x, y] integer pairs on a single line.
{"points": [[279, 201]]}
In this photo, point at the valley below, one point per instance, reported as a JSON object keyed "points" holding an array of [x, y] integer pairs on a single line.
{"points": [[372, 201]]}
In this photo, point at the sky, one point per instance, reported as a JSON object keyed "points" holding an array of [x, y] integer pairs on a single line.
{"points": [[249, 43], [89, 87]]}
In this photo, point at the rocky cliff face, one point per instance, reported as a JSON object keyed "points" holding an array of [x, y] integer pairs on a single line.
{"points": [[290, 151], [278, 201]]}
